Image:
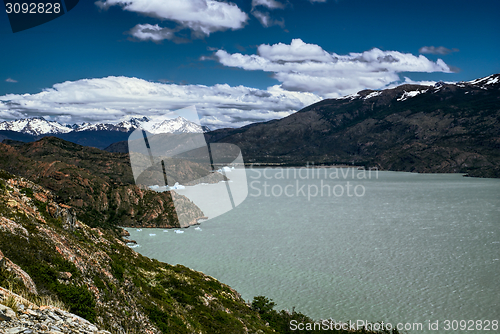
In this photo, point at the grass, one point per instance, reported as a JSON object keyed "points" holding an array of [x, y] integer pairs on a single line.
{"points": [[10, 302]]}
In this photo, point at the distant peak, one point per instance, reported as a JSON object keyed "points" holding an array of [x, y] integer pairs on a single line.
{"points": [[439, 84]]}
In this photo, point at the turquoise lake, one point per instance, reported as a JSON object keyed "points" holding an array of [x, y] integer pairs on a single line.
{"points": [[401, 247]]}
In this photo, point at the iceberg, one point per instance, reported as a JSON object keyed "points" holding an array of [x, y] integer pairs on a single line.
{"points": [[225, 169], [177, 186]]}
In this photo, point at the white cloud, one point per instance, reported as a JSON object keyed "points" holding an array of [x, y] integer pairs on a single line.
{"points": [[307, 67], [154, 33], [203, 17], [411, 82], [271, 4], [296, 51], [264, 17], [10, 80], [266, 20], [440, 50], [112, 99]]}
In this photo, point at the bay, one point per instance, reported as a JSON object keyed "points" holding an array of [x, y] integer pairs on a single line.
{"points": [[397, 247]]}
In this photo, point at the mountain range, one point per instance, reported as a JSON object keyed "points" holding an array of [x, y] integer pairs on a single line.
{"points": [[98, 135], [443, 128], [38, 126]]}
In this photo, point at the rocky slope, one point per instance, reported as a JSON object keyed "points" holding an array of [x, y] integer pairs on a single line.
{"points": [[45, 319], [446, 128], [99, 186], [47, 252]]}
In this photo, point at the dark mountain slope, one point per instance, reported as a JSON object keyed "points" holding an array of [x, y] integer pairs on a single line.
{"points": [[98, 138], [443, 128], [98, 185]]}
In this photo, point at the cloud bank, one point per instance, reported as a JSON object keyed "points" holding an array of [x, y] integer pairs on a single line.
{"points": [[440, 50], [202, 17], [112, 99], [10, 80], [308, 68]]}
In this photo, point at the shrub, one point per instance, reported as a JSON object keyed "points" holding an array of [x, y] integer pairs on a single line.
{"points": [[27, 191], [79, 300], [5, 175]]}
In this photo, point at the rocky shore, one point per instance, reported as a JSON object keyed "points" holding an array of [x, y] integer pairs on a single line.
{"points": [[45, 319]]}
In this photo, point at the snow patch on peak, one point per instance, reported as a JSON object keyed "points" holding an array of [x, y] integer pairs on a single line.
{"points": [[406, 95], [39, 126], [486, 81], [350, 96], [369, 96]]}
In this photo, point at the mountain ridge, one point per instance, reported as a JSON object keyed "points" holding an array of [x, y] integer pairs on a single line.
{"points": [[444, 128], [99, 135], [37, 126], [98, 185]]}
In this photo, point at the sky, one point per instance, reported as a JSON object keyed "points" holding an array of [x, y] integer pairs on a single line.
{"points": [[237, 62]]}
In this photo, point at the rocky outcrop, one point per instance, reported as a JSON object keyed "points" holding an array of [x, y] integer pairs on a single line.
{"points": [[94, 186], [45, 319]]}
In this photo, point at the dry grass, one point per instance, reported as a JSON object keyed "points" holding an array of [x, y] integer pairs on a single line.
{"points": [[49, 301], [26, 299], [10, 301]]}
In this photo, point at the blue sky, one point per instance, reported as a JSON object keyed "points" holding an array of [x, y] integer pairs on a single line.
{"points": [[237, 62]]}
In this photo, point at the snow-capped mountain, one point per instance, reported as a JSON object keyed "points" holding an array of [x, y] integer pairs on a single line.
{"points": [[177, 125], [40, 126], [408, 91], [486, 82], [35, 126]]}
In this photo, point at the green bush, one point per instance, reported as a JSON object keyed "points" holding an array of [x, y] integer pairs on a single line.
{"points": [[5, 175], [27, 191], [79, 300]]}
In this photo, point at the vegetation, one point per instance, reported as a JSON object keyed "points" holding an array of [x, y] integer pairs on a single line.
{"points": [[93, 274], [280, 321]]}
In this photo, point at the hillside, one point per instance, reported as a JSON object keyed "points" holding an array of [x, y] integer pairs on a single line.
{"points": [[47, 251], [446, 128], [63, 276], [98, 185]]}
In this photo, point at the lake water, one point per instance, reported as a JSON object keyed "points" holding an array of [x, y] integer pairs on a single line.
{"points": [[397, 247]]}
